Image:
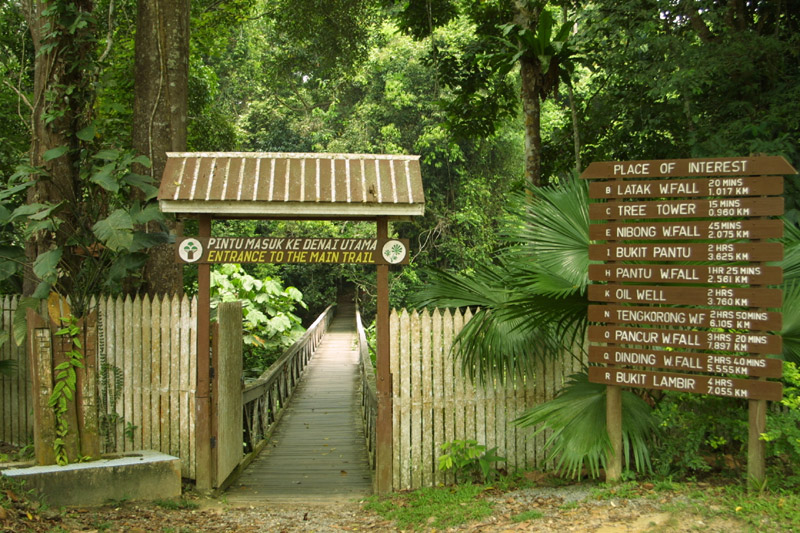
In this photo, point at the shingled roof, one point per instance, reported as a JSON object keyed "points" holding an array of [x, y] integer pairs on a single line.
{"points": [[289, 185]]}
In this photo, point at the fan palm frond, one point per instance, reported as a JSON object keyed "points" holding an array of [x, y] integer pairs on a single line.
{"points": [[577, 419], [791, 322], [791, 250]]}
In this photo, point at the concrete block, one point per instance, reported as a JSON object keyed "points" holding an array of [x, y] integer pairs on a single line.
{"points": [[141, 475]]}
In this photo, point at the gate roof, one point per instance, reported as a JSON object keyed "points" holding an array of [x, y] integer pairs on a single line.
{"points": [[292, 185]]}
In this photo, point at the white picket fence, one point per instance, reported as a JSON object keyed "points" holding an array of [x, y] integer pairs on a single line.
{"points": [[434, 402], [149, 347], [147, 355], [151, 344]]}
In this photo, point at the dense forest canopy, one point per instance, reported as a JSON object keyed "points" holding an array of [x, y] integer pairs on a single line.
{"points": [[492, 95]]}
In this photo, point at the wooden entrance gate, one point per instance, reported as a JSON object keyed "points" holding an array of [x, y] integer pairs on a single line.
{"points": [[291, 186]]}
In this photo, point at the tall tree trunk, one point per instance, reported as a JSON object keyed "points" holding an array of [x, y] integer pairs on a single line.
{"points": [[62, 101], [531, 109], [527, 16], [160, 109]]}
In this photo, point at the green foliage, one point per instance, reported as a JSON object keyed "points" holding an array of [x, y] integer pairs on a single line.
{"points": [[698, 434], [783, 430], [577, 419], [531, 299], [439, 507], [65, 382], [469, 460], [527, 515], [106, 237], [176, 504], [7, 366], [269, 322]]}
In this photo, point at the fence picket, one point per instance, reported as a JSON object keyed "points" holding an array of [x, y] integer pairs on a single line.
{"points": [[147, 372], [135, 435], [448, 371], [394, 366], [426, 403], [437, 395], [405, 405], [455, 408]]}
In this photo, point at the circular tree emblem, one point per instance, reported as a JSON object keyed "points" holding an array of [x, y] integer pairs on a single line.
{"points": [[190, 250], [394, 252]]}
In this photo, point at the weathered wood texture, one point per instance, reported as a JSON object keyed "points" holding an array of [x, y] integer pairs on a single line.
{"points": [[317, 450], [147, 355], [434, 402], [16, 399], [369, 392], [228, 389]]}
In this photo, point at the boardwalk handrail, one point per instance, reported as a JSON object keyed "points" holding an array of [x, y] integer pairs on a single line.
{"points": [[369, 392], [264, 399]]}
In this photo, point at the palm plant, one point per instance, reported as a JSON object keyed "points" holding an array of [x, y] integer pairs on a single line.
{"points": [[531, 301], [532, 304]]}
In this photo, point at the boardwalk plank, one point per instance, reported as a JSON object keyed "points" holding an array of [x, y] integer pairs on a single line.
{"points": [[318, 449]]}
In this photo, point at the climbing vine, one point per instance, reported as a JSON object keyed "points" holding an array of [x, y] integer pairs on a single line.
{"points": [[66, 381]]}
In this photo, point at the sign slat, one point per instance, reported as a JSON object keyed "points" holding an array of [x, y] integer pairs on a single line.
{"points": [[712, 296], [727, 252], [697, 383], [688, 361], [715, 166], [683, 316], [685, 230], [688, 188], [761, 343], [728, 274], [723, 208]]}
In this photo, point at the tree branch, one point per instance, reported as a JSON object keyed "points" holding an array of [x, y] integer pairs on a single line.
{"points": [[697, 22]]}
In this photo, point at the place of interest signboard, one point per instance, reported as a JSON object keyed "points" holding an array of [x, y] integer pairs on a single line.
{"points": [[215, 250], [682, 290]]}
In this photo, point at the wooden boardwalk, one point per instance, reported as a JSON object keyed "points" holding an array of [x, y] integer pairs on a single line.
{"points": [[318, 450]]}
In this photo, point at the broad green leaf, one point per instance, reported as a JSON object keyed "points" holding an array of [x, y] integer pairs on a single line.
{"points": [[55, 153], [45, 265], [42, 290], [143, 160], [11, 191], [11, 259], [87, 133], [21, 320], [107, 155], [105, 178], [143, 241], [115, 231], [27, 210], [45, 212], [149, 213]]}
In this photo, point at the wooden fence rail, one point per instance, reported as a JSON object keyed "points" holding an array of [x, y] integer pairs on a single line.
{"points": [[434, 402], [369, 391]]}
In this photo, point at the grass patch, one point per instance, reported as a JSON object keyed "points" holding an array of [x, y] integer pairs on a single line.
{"points": [[607, 491], [176, 505], [437, 507], [527, 515]]}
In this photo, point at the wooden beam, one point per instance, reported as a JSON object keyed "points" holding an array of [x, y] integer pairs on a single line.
{"points": [[614, 423], [383, 453], [203, 396]]}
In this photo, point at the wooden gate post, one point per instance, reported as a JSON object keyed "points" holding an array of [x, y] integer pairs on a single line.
{"points": [[383, 451], [203, 396]]}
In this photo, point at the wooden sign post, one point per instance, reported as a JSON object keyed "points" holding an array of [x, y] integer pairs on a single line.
{"points": [[677, 233]]}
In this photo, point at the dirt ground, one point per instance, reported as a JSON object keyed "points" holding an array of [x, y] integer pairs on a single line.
{"points": [[562, 509]]}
